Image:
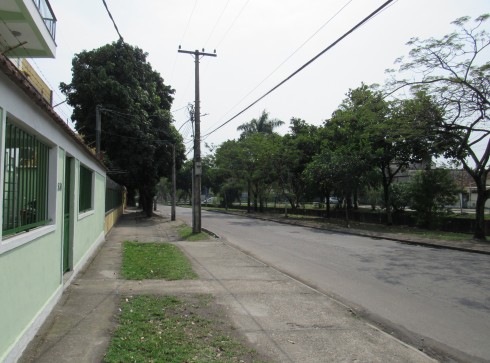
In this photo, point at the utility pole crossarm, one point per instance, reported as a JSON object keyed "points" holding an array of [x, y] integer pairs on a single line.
{"points": [[196, 52]]}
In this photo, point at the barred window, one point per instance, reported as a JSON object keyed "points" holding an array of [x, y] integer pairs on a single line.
{"points": [[85, 196], [25, 183]]}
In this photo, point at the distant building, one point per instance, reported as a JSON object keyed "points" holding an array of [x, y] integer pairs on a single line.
{"points": [[467, 197]]}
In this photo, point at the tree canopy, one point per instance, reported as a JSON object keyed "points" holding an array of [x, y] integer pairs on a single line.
{"points": [[263, 125], [137, 131], [454, 70]]}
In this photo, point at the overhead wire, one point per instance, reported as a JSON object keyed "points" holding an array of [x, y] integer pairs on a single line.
{"points": [[113, 21], [179, 109], [188, 22], [183, 36], [292, 54], [232, 24], [217, 21], [359, 24]]}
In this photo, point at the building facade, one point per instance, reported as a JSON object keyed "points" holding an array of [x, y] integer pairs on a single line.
{"points": [[52, 186]]}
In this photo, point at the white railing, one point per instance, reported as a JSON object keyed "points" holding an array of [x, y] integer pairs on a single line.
{"points": [[48, 15]]}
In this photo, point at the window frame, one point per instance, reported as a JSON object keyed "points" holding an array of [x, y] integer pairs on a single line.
{"points": [[85, 181], [28, 195]]}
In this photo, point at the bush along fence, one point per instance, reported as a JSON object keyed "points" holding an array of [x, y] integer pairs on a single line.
{"points": [[447, 224]]}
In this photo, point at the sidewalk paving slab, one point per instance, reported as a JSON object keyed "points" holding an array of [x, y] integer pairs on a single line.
{"points": [[281, 317]]}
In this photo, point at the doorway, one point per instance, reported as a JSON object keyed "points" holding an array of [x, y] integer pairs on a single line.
{"points": [[67, 212]]}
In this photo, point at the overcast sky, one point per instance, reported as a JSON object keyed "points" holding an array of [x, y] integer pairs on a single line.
{"points": [[252, 39]]}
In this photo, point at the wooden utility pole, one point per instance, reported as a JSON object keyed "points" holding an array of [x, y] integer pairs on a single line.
{"points": [[97, 130], [196, 192], [174, 185]]}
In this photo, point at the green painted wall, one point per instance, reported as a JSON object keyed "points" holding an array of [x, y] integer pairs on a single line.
{"points": [[31, 275], [87, 229]]}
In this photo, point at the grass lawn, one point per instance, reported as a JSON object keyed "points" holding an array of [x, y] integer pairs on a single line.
{"points": [[175, 329], [155, 261]]}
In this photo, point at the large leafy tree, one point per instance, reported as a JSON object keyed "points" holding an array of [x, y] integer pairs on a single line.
{"points": [[400, 134], [430, 191], [367, 134], [345, 142], [297, 150], [184, 181], [137, 128], [253, 160], [455, 71]]}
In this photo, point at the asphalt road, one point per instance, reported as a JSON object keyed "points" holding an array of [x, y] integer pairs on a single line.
{"points": [[435, 299]]}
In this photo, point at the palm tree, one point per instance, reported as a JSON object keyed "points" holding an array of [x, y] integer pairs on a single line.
{"points": [[261, 125]]}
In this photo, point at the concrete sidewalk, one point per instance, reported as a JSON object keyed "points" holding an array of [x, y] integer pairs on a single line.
{"points": [[281, 317]]}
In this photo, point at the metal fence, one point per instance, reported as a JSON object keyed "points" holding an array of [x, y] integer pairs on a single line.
{"points": [[25, 185], [113, 195]]}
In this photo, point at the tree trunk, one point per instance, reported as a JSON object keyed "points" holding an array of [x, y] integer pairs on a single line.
{"points": [[249, 186], [146, 197], [480, 214], [131, 200], [256, 192], [346, 205], [482, 196], [387, 200], [327, 202]]}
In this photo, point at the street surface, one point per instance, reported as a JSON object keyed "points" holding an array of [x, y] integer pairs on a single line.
{"points": [[435, 299]]}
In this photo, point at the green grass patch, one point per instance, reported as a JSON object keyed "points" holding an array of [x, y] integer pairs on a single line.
{"points": [[372, 227], [185, 233], [381, 228], [155, 261], [171, 329]]}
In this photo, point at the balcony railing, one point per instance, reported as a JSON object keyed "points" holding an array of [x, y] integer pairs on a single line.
{"points": [[48, 16]]}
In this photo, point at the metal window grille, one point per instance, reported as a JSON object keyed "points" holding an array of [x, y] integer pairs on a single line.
{"points": [[85, 192], [25, 185]]}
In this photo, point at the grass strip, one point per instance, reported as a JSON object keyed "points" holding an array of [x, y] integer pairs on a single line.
{"points": [[185, 233], [155, 261], [372, 227], [171, 329]]}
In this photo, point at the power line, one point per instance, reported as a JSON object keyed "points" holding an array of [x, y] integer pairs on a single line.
{"points": [[188, 22], [304, 65], [292, 54], [129, 114], [113, 22], [179, 109], [233, 23], [216, 23]]}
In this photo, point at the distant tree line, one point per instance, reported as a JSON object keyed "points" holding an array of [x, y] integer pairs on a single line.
{"points": [[374, 135]]}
